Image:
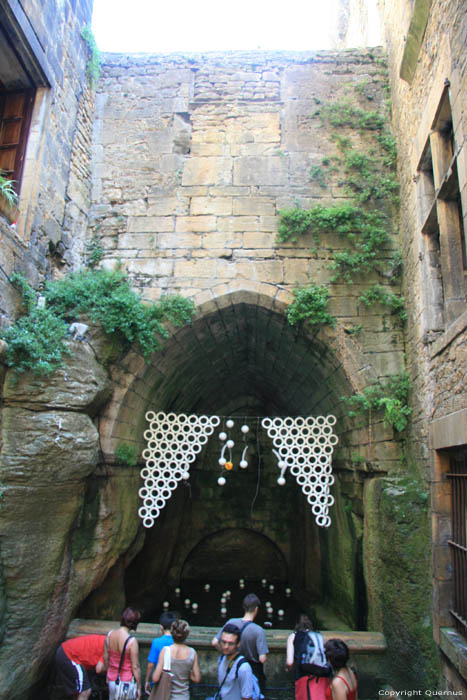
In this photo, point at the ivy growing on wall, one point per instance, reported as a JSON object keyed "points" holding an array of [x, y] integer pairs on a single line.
{"points": [[391, 398], [36, 341]]}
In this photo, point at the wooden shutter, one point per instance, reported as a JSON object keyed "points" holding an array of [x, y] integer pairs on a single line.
{"points": [[15, 117]]}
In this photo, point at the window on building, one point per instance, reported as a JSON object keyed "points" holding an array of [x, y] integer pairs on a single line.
{"points": [[15, 117], [439, 197], [458, 542]]}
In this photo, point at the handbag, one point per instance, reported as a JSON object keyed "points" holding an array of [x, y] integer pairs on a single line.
{"points": [[311, 688], [163, 688], [125, 690]]}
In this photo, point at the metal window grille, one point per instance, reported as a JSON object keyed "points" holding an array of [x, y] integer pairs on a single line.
{"points": [[458, 543]]}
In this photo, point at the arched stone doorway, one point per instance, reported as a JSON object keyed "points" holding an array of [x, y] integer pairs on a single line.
{"points": [[241, 357]]}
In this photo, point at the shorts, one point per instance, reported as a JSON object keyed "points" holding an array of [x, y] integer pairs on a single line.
{"points": [[72, 676]]}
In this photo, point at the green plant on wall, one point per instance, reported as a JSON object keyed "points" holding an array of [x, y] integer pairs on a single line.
{"points": [[7, 189], [94, 251], [391, 399], [379, 295], [126, 454], [36, 341], [310, 305], [94, 64]]}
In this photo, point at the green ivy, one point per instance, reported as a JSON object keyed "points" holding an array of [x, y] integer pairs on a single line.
{"points": [[379, 295], [7, 189], [36, 340], [94, 63], [392, 399], [126, 454], [95, 252], [310, 304]]}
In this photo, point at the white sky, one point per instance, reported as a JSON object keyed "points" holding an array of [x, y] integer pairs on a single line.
{"points": [[159, 26]]}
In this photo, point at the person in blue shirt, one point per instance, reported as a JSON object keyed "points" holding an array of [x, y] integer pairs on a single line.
{"points": [[157, 645]]}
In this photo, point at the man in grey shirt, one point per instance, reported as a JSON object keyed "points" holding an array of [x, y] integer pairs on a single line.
{"points": [[253, 643], [234, 678]]}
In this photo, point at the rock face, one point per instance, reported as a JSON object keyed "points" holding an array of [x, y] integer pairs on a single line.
{"points": [[60, 530]]}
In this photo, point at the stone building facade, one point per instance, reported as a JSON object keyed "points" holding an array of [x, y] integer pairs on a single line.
{"points": [[176, 167]]}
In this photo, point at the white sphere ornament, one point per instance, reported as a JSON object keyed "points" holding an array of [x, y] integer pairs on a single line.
{"points": [[221, 481], [280, 613], [207, 587], [243, 464], [288, 591], [165, 604], [222, 436], [244, 429], [271, 588], [194, 606], [185, 475], [187, 602], [282, 465], [281, 481], [230, 423], [223, 611], [222, 461], [263, 582], [177, 591], [230, 444]]}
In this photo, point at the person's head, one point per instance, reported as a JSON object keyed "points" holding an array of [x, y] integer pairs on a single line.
{"points": [[337, 653], [166, 620], [179, 629], [251, 602], [230, 639], [303, 623], [130, 618]]}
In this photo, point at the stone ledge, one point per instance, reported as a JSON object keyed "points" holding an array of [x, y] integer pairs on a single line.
{"points": [[455, 329], [358, 642], [454, 646]]}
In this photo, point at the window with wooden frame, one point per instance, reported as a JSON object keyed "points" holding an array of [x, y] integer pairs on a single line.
{"points": [[441, 210], [458, 542], [15, 118]]}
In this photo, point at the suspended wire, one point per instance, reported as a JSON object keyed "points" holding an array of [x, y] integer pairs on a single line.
{"points": [[258, 479]]}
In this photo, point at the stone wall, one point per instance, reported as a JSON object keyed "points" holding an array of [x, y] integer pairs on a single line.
{"points": [[48, 237], [430, 55]]}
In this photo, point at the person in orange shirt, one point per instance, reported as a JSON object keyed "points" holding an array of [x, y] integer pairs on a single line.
{"points": [[74, 658]]}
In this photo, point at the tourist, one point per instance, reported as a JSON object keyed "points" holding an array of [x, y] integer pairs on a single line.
{"points": [[184, 665], [344, 683], [165, 621], [306, 655], [235, 678], [119, 641], [253, 643], [74, 658]]}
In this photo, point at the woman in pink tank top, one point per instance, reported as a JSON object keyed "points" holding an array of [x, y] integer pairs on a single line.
{"points": [[344, 683], [113, 649]]}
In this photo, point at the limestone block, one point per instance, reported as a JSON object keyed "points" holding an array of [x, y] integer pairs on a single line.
{"points": [[210, 149], [251, 206], [166, 241], [165, 206], [258, 240], [230, 239], [195, 224], [211, 205], [237, 223], [48, 447], [296, 272], [207, 171], [261, 271], [150, 224], [259, 170], [195, 268], [155, 267]]}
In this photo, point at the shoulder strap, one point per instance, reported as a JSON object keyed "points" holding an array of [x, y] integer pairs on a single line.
{"points": [[231, 663], [318, 643], [248, 622], [130, 636], [167, 659], [241, 660], [343, 679]]}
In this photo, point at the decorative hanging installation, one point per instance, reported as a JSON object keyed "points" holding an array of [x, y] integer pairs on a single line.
{"points": [[302, 445], [305, 446], [173, 441]]}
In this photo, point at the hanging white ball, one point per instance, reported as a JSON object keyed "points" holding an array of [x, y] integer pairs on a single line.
{"points": [[165, 604], [241, 585], [222, 436], [288, 591], [223, 611], [271, 588], [241, 580], [268, 604], [207, 587], [280, 613], [282, 465], [281, 481], [269, 611], [194, 606], [263, 582], [222, 461], [243, 464], [177, 591], [230, 423], [187, 602], [228, 594], [186, 475], [244, 429], [221, 481], [230, 444]]}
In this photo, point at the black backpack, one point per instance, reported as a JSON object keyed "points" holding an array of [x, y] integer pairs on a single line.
{"points": [[309, 653]]}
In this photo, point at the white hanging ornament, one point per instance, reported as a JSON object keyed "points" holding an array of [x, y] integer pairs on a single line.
{"points": [[221, 481], [243, 462], [230, 423], [230, 444], [222, 436], [244, 429], [222, 461], [280, 480]]}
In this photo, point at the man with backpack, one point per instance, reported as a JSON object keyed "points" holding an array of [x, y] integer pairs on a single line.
{"points": [[305, 653], [234, 674], [253, 644]]}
